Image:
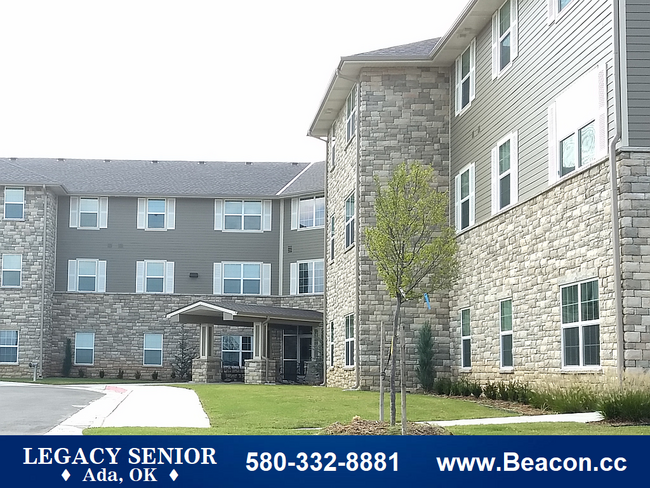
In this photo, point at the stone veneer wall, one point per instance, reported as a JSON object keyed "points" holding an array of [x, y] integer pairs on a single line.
{"points": [[23, 308], [527, 253], [120, 320], [634, 207]]}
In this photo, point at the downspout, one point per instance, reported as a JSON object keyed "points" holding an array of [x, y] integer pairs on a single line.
{"points": [[281, 253], [40, 361], [357, 362], [616, 243]]}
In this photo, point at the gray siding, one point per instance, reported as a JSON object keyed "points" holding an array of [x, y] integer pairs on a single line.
{"points": [[193, 246], [638, 72], [550, 58]]}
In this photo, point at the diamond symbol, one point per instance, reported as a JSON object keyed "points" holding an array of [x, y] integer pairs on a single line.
{"points": [[65, 475], [173, 475]]}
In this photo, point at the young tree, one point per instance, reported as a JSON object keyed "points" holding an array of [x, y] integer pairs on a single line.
{"points": [[413, 248], [424, 370], [182, 362]]}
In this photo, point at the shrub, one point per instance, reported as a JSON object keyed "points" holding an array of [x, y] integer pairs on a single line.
{"points": [[626, 405], [571, 399], [490, 391], [138, 375], [154, 375], [476, 389], [182, 362], [67, 358], [424, 370], [120, 374], [101, 373], [82, 373], [442, 386]]}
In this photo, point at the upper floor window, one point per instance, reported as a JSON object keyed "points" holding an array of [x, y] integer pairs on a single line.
{"points": [[466, 339], [235, 350], [332, 146], [464, 195], [89, 213], [311, 213], [580, 325], [152, 354], [504, 37], [242, 215], [351, 114], [156, 213], [350, 212], [505, 173], [87, 275], [556, 8], [307, 277], [9, 346], [242, 278], [577, 125], [465, 77], [154, 277], [14, 203], [12, 270]]}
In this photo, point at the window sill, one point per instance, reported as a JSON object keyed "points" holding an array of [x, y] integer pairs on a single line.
{"points": [[14, 220], [581, 369], [83, 364], [349, 368], [349, 141], [463, 110], [351, 246], [247, 231], [8, 364], [465, 370], [152, 365], [11, 287], [586, 167], [504, 70], [147, 229], [310, 228], [507, 371]]}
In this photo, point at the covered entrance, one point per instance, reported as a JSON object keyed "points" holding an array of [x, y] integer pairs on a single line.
{"points": [[261, 344]]}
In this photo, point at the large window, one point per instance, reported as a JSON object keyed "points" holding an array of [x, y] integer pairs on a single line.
{"points": [[350, 211], [156, 213], [84, 348], [154, 277], [351, 114], [307, 277], [242, 278], [89, 213], [12, 270], [152, 350], [9, 346], [466, 77], [15, 203], [349, 340], [312, 212], [505, 308], [465, 198], [241, 215], [580, 325], [86, 275], [466, 339], [504, 37], [505, 173], [235, 350]]}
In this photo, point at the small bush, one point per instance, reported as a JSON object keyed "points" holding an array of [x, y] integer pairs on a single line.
{"points": [[138, 375], [442, 386], [173, 375], [120, 374], [101, 373], [154, 375], [67, 358], [425, 370], [476, 389], [626, 406], [571, 399], [490, 391], [82, 373]]}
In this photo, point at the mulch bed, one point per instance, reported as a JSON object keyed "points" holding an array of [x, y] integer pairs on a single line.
{"points": [[359, 426]]}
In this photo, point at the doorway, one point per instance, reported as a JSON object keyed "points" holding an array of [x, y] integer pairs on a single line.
{"points": [[297, 349]]}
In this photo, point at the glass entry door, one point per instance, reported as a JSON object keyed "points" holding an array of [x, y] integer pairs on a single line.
{"points": [[297, 348]]}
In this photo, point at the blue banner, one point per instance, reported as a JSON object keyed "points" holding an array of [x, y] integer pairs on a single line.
{"points": [[62, 461]]}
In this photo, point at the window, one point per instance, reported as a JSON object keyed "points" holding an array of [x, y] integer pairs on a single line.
{"points": [[156, 213], [349, 340], [464, 195], [562, 3], [12, 270], [311, 212], [307, 277], [350, 211], [87, 275], [84, 348], [465, 77], [577, 123], [15, 203], [332, 146], [556, 8], [242, 215], [506, 333], [9, 346], [466, 339], [154, 277], [504, 37], [351, 114], [235, 350], [505, 173], [580, 325], [242, 278], [152, 350], [89, 213], [332, 238], [332, 343]]}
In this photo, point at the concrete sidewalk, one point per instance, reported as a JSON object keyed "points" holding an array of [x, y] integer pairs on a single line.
{"points": [[564, 417], [128, 405]]}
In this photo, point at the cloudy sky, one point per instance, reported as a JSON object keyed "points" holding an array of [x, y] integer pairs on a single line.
{"points": [[185, 79]]}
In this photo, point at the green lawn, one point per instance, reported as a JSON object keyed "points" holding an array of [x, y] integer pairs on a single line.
{"points": [[550, 428]]}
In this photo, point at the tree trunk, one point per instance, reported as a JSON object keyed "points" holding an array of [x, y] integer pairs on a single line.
{"points": [[402, 374], [381, 373], [393, 368]]}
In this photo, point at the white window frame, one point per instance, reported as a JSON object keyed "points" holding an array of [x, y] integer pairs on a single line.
{"points": [[317, 202], [332, 147], [76, 348], [470, 198], [74, 275], [351, 114], [512, 173], [220, 215], [20, 202], [349, 340], [4, 344], [506, 333], [470, 78], [465, 338], [145, 349], [332, 240], [350, 218], [332, 343], [141, 275], [555, 12], [218, 278], [312, 267], [498, 38], [169, 215], [241, 351], [19, 270], [76, 212], [583, 103], [580, 324]]}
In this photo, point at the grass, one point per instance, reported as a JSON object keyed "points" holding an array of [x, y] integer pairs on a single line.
{"points": [[551, 428]]}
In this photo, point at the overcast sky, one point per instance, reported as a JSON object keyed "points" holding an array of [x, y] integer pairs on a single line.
{"points": [[185, 79]]}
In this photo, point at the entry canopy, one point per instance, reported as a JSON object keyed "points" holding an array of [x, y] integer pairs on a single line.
{"points": [[231, 313]]}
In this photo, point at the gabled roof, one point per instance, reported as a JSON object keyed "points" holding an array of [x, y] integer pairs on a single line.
{"points": [[162, 178], [225, 310], [419, 50]]}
